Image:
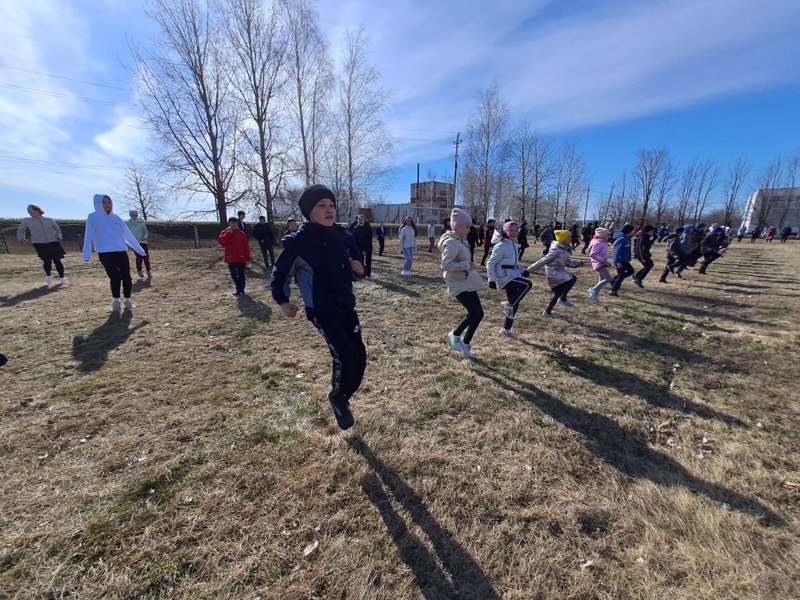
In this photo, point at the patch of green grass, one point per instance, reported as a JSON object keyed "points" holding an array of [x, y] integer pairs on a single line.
{"points": [[163, 487], [79, 391]]}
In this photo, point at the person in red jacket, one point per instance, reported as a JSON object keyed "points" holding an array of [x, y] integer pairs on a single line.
{"points": [[237, 253]]}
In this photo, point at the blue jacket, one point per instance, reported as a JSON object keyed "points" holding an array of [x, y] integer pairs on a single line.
{"points": [[622, 250], [317, 257]]}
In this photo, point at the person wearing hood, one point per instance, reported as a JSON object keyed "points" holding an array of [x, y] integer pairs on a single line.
{"points": [[46, 239], [324, 260], [771, 231], [621, 258], [710, 247], [463, 280], [505, 273], [555, 263], [598, 254], [139, 230], [110, 237], [673, 254], [643, 243]]}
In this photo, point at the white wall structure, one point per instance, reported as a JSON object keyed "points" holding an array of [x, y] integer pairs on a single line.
{"points": [[777, 206]]}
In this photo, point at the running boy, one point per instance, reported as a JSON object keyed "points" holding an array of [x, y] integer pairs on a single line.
{"points": [[324, 259]]}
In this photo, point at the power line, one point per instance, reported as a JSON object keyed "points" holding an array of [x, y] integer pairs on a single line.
{"points": [[113, 87], [59, 95], [54, 162]]}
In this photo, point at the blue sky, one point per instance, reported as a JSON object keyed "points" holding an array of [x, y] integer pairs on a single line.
{"points": [[704, 78]]}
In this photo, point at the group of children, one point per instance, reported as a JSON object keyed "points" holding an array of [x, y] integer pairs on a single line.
{"points": [[324, 260], [106, 232]]}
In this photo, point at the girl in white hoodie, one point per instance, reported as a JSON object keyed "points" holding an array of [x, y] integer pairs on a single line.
{"points": [[110, 237], [506, 274]]}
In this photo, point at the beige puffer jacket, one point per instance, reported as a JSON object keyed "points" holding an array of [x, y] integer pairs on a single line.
{"points": [[458, 270]]}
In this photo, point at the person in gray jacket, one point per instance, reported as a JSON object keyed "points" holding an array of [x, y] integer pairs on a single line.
{"points": [[556, 262], [46, 238], [505, 273], [138, 228], [462, 278]]}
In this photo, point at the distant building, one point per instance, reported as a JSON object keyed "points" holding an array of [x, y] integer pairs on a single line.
{"points": [[432, 194], [777, 206]]}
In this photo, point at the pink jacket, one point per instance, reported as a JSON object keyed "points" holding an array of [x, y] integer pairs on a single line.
{"points": [[598, 252]]}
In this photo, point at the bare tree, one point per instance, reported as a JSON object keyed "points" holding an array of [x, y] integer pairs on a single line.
{"points": [[649, 165], [310, 81], [737, 173], [485, 152], [620, 203], [570, 182], [688, 186], [259, 45], [530, 166], [366, 143], [183, 88], [791, 172], [770, 180], [664, 186], [707, 174], [141, 190]]}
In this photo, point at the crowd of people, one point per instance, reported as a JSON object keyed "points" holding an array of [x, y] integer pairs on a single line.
{"points": [[324, 259]]}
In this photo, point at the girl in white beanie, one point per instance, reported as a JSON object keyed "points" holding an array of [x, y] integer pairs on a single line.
{"points": [[463, 279]]}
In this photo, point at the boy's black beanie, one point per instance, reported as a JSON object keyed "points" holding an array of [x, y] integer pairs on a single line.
{"points": [[313, 194]]}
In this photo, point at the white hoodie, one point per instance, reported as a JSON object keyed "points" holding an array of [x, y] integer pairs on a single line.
{"points": [[107, 232]]}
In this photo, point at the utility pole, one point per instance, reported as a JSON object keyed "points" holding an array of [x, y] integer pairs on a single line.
{"points": [[456, 143], [586, 206]]}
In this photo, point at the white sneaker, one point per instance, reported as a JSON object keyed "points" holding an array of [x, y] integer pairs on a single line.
{"points": [[139, 274], [149, 274], [466, 349], [48, 280], [129, 303], [594, 297], [455, 341], [63, 281], [505, 332], [547, 314], [405, 273], [566, 304], [115, 305], [508, 310]]}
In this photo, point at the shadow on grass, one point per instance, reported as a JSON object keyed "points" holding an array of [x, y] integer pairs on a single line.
{"points": [[141, 284], [625, 451], [633, 385], [255, 309], [393, 287], [703, 313], [92, 350], [466, 579], [33, 294], [678, 353]]}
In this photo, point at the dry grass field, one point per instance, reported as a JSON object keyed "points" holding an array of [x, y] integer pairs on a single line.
{"points": [[646, 447]]}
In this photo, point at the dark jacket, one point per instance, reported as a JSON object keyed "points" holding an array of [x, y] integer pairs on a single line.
{"points": [[642, 245], [380, 232], [712, 242], [363, 236], [263, 233], [317, 257]]}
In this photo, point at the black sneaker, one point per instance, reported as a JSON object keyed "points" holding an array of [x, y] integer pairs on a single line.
{"points": [[341, 410], [638, 282]]}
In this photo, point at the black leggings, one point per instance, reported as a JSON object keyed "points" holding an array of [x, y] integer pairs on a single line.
{"points": [[560, 292], [516, 289], [342, 332], [118, 269], [472, 303]]}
